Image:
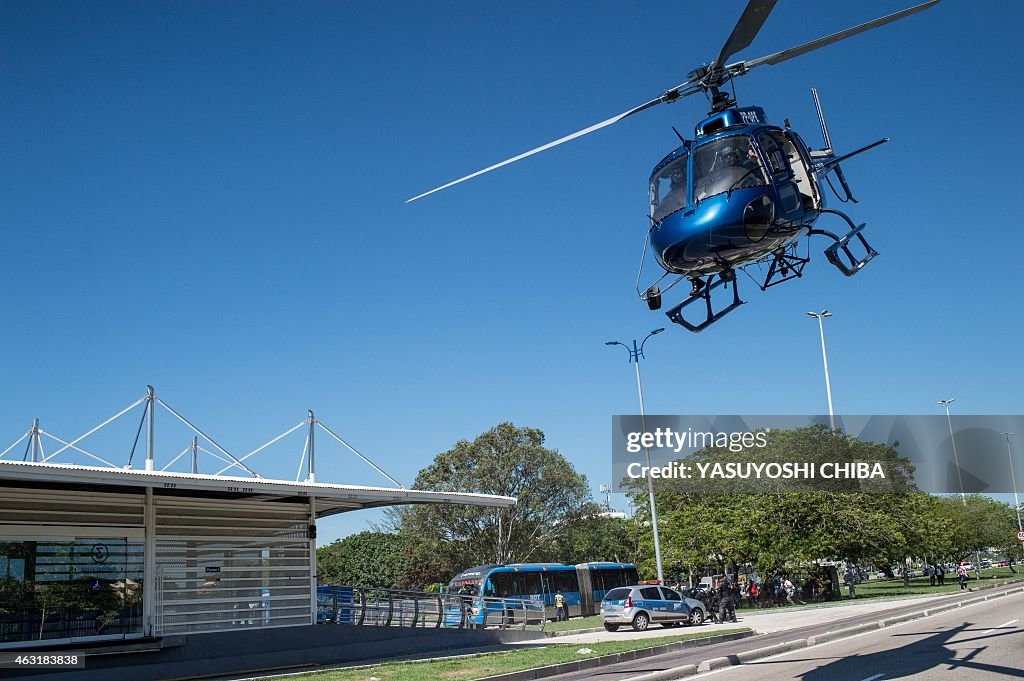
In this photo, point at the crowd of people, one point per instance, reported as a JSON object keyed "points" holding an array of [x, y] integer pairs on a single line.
{"points": [[726, 593]]}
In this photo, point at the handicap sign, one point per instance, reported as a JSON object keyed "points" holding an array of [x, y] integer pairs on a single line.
{"points": [[96, 585]]}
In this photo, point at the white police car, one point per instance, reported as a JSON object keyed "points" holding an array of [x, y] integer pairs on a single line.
{"points": [[641, 606]]}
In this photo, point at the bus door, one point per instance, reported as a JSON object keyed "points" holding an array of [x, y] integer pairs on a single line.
{"points": [[586, 591]]}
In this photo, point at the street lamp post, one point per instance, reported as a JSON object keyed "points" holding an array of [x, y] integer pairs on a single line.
{"points": [[824, 358], [956, 459], [1013, 479], [636, 353], [960, 475]]}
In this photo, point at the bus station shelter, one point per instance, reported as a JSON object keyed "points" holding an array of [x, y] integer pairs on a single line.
{"points": [[92, 553]]}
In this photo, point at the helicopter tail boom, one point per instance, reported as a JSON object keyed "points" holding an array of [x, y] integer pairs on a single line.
{"points": [[834, 162]]}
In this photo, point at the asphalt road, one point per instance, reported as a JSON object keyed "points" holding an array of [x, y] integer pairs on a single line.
{"points": [[983, 641], [976, 642]]}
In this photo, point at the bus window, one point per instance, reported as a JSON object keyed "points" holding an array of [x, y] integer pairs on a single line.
{"points": [[566, 582], [526, 583], [502, 582], [632, 576]]}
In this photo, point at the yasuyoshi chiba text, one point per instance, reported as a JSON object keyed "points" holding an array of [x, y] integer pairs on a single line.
{"points": [[789, 470]]}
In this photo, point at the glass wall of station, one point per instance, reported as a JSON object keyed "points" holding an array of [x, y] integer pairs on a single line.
{"points": [[74, 589]]}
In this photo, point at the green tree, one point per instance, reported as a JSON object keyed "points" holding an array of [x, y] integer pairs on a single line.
{"points": [[760, 522], [597, 536], [364, 559], [509, 461], [978, 523]]}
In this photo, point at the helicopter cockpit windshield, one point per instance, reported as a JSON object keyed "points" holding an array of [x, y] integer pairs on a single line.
{"points": [[726, 164], [668, 189]]}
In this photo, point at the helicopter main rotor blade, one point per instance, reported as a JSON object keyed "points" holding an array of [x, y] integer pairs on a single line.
{"points": [[745, 30], [668, 96], [782, 56]]}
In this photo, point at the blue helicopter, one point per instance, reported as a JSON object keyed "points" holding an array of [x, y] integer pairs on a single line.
{"points": [[743, 192]]}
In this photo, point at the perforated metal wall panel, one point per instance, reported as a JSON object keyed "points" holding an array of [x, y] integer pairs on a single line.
{"points": [[42, 509], [228, 565]]}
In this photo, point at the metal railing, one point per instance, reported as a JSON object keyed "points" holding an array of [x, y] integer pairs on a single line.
{"points": [[369, 606]]}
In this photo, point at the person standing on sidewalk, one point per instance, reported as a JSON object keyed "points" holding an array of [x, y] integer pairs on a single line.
{"points": [[851, 580], [961, 576]]}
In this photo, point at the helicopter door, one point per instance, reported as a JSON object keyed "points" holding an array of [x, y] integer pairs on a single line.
{"points": [[784, 176], [801, 171]]}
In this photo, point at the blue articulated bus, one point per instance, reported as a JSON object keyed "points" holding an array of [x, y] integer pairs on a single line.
{"points": [[583, 586]]}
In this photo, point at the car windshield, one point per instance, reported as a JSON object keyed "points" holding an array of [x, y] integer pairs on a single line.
{"points": [[668, 189], [616, 594], [726, 164]]}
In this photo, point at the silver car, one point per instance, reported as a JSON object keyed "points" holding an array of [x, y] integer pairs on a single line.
{"points": [[641, 606]]}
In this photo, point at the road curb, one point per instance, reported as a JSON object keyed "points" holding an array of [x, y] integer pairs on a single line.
{"points": [[614, 658], [573, 632], [777, 648]]}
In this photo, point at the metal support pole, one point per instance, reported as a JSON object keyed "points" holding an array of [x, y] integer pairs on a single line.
{"points": [[650, 480], [313, 577], [960, 477], [311, 471], [150, 585], [636, 353], [36, 457], [195, 454], [956, 458], [150, 404], [1013, 478], [828, 384], [824, 358]]}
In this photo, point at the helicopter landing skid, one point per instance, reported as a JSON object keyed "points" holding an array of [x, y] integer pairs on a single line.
{"points": [[843, 244], [703, 292]]}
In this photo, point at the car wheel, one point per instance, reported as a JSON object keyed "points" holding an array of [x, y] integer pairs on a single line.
{"points": [[641, 622], [611, 627], [696, 617]]}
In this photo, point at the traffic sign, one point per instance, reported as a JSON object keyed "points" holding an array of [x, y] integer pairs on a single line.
{"points": [[1020, 536]]}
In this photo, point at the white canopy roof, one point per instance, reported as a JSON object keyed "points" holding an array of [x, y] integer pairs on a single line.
{"points": [[330, 499]]}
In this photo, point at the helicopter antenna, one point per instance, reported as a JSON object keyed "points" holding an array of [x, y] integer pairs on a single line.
{"points": [[821, 119], [681, 138]]}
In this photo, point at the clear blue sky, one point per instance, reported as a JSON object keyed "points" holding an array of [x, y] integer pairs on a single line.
{"points": [[209, 197]]}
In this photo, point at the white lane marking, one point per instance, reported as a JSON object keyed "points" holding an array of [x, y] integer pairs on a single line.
{"points": [[872, 678], [989, 631], [844, 639]]}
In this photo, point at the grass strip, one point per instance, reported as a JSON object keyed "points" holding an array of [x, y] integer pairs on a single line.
{"points": [[490, 664]]}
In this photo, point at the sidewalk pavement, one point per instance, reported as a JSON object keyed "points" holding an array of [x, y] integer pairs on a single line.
{"points": [[762, 621]]}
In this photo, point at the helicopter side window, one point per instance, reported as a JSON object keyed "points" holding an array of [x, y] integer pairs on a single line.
{"points": [[776, 156], [726, 164], [668, 189]]}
